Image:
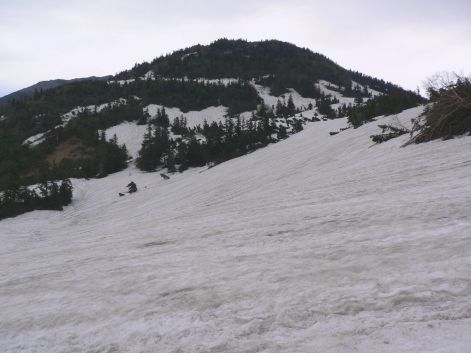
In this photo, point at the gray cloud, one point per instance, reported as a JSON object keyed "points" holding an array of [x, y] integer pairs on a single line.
{"points": [[401, 41]]}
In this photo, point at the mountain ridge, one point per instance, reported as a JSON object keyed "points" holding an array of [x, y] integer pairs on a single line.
{"points": [[250, 85], [257, 58], [44, 86]]}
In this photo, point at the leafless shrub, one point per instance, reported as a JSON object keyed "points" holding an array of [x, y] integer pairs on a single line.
{"points": [[449, 113]]}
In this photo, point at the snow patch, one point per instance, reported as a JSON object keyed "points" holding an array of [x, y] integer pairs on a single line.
{"points": [[329, 89], [215, 81], [149, 75], [326, 88], [122, 82], [185, 56], [91, 108], [75, 112], [36, 139], [270, 100], [194, 117], [130, 134], [371, 91]]}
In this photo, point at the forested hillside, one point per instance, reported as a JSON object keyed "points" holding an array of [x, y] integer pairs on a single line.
{"points": [[59, 132]]}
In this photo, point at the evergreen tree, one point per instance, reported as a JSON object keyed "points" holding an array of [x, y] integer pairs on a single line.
{"points": [[280, 111], [155, 146], [132, 187], [147, 159], [164, 120], [297, 126], [282, 134], [290, 108], [65, 192], [143, 118]]}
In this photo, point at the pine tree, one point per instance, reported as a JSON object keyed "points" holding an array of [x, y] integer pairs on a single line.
{"points": [[143, 118], [176, 127], [290, 108], [65, 192], [132, 187], [279, 109], [164, 120], [147, 159], [281, 134]]}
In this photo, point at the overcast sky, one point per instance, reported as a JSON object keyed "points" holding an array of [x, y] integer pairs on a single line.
{"points": [[403, 41]]}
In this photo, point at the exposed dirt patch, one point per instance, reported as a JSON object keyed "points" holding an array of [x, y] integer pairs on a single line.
{"points": [[72, 149]]}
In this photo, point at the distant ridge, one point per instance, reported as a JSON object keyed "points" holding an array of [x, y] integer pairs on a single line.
{"points": [[44, 86]]}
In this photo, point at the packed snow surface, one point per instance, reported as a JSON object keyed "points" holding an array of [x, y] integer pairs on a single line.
{"points": [[129, 133], [270, 100], [194, 117], [315, 244]]}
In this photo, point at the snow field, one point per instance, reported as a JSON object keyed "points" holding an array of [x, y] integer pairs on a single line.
{"points": [[194, 117], [130, 134], [315, 244]]}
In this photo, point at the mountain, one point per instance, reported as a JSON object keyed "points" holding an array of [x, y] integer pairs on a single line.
{"points": [[43, 86], [236, 197], [204, 105], [317, 243], [278, 64]]}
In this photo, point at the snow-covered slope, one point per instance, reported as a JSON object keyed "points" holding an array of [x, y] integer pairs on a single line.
{"points": [[92, 108], [210, 114], [74, 113], [129, 133], [315, 244], [194, 117], [270, 100]]}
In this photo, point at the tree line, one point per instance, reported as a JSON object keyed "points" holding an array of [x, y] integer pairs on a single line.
{"points": [[48, 195], [216, 142]]}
